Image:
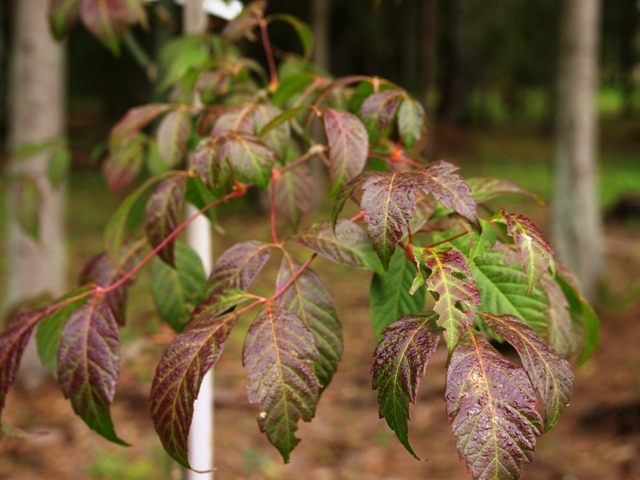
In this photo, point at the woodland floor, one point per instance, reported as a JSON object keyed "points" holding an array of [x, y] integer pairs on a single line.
{"points": [[597, 438]]}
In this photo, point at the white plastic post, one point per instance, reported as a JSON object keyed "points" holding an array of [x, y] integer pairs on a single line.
{"points": [[199, 238]]}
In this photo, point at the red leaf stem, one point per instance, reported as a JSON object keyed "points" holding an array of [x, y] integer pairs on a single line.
{"points": [[266, 43]]}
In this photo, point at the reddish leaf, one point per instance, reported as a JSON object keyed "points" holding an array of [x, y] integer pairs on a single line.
{"points": [[239, 27], [348, 246], [239, 265], [295, 193], [400, 362], [347, 191], [63, 15], [250, 159], [173, 135], [412, 123], [308, 298], [448, 188], [136, 119], [278, 352], [562, 335], [88, 364], [425, 207], [379, 109], [485, 189], [13, 342], [536, 254], [180, 372], [452, 280], [106, 19], [549, 373], [277, 139], [348, 146], [161, 214], [388, 201], [124, 164], [491, 403], [236, 119], [206, 161]]}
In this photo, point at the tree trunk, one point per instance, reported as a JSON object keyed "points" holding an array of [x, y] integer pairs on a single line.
{"points": [[321, 26], [577, 222], [37, 103]]}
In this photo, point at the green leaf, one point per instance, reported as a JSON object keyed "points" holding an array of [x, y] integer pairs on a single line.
{"points": [[453, 282], [63, 14], [348, 147], [58, 166], [277, 139], [173, 135], [290, 86], [310, 300], [124, 163], [348, 246], [162, 212], [279, 120], [29, 206], [302, 29], [479, 242], [179, 376], [278, 352], [106, 19], [389, 293], [549, 373], [562, 334], [50, 331], [198, 195], [412, 122], [536, 254], [400, 362], [176, 291], [492, 405], [88, 364], [388, 201]]}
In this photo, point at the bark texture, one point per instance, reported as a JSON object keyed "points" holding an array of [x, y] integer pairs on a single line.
{"points": [[577, 220]]}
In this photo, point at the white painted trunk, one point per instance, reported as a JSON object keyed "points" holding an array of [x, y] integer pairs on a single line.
{"points": [[199, 238], [37, 100], [577, 220]]}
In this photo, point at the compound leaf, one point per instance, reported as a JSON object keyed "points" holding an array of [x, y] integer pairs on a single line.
{"points": [[389, 293], [88, 364], [308, 298], [239, 265], [180, 372], [278, 353], [400, 362], [348, 146], [491, 403], [161, 215], [549, 373]]}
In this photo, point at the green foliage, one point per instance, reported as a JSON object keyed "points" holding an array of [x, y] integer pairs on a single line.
{"points": [[243, 130]]}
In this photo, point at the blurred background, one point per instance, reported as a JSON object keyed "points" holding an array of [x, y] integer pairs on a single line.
{"points": [[489, 74]]}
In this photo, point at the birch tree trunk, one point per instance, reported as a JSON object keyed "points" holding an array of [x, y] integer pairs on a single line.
{"points": [[201, 433], [37, 100], [577, 222]]}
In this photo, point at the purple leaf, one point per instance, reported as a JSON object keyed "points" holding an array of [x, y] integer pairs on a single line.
{"points": [[13, 342], [425, 207], [180, 372], [485, 189], [388, 201], [277, 139], [412, 123], [549, 373], [346, 193], [235, 119], [308, 298], [239, 265], [278, 353], [135, 120], [161, 214], [562, 335], [448, 188], [124, 164], [239, 27], [400, 362], [250, 159], [348, 246], [536, 254], [206, 161], [106, 19], [88, 364], [491, 403], [379, 109], [348, 146], [452, 280], [295, 193], [173, 135]]}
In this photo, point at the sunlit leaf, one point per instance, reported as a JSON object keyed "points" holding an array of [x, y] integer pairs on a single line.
{"points": [[173, 134], [348, 246], [295, 193], [549, 373], [388, 201], [485, 189], [389, 293], [278, 353], [348, 146], [176, 291], [179, 376], [124, 164], [400, 362], [162, 212], [106, 19], [239, 265], [308, 298], [492, 405], [448, 188], [536, 254], [88, 364], [412, 122]]}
